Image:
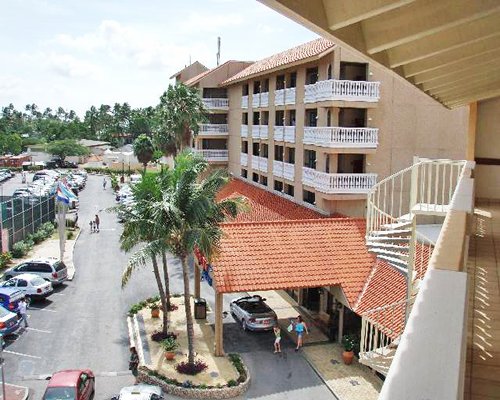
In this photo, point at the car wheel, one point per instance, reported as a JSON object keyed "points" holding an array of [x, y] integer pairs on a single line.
{"points": [[244, 325]]}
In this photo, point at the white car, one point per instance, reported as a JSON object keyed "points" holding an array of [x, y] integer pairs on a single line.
{"points": [[140, 392], [33, 286]]}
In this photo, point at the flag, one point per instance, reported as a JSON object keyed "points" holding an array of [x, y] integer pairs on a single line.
{"points": [[64, 194]]}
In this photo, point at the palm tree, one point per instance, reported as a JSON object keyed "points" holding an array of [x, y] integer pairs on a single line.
{"points": [[190, 216], [143, 149], [179, 114]]}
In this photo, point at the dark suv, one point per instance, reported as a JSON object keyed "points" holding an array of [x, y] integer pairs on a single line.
{"points": [[50, 269]]}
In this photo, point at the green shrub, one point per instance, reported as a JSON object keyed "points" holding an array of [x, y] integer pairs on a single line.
{"points": [[5, 258], [38, 236], [231, 383], [19, 249], [69, 235]]}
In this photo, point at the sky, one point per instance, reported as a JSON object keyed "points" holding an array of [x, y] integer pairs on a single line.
{"points": [[78, 53]]}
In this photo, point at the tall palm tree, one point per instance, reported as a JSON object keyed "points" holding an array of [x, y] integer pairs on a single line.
{"points": [[190, 215], [179, 114], [143, 149]]}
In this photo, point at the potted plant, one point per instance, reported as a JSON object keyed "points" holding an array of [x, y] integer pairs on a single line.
{"points": [[155, 310], [348, 342], [169, 345]]}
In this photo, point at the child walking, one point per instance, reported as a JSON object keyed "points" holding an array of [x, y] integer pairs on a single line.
{"points": [[277, 338]]}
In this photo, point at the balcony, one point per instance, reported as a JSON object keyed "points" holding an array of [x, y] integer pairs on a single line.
{"points": [[213, 155], [244, 101], [244, 130], [216, 104], [244, 159], [341, 137], [213, 130], [260, 132], [342, 90], [284, 170], [260, 100], [284, 134], [338, 183], [284, 97], [259, 163]]}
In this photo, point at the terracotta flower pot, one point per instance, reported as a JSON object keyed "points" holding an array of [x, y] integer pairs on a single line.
{"points": [[347, 356], [169, 355], [155, 313]]}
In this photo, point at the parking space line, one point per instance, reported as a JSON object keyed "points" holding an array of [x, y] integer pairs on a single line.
{"points": [[22, 354], [37, 330], [41, 309]]}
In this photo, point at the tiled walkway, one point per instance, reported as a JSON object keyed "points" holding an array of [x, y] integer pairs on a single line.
{"points": [[483, 345]]}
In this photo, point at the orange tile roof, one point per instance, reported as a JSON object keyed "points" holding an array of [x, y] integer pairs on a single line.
{"points": [[299, 53], [264, 205], [197, 78], [293, 254]]}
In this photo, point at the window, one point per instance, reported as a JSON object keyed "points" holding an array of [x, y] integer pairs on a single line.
{"points": [[264, 150], [278, 186], [10, 283], [23, 268], [263, 180], [256, 118], [265, 87], [264, 118], [311, 75], [310, 159], [256, 87], [244, 147], [255, 149], [309, 197], [329, 118], [290, 120], [353, 71], [311, 117], [278, 153], [327, 163], [244, 90], [279, 119], [290, 155], [292, 81], [22, 283], [329, 72], [39, 267], [244, 118], [289, 190], [255, 177], [280, 82], [244, 173], [59, 266]]}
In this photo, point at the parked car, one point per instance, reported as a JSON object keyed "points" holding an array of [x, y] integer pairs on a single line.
{"points": [[71, 384], [9, 323], [33, 286], [10, 298], [50, 269], [253, 313], [140, 392]]}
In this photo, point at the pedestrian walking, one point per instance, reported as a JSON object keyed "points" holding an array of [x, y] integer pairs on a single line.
{"points": [[277, 338], [104, 183], [133, 363], [22, 311], [91, 225], [97, 222], [300, 327]]}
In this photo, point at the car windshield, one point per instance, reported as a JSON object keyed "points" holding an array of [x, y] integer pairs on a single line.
{"points": [[59, 266], [60, 393], [37, 281]]}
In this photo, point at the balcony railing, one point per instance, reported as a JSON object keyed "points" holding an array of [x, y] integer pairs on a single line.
{"points": [[342, 90], [244, 130], [244, 101], [216, 104], [259, 163], [213, 155], [213, 129], [338, 183], [284, 96], [341, 137], [260, 132], [260, 100], [244, 159], [284, 134], [284, 170]]}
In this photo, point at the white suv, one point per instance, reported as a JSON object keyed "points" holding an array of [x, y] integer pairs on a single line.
{"points": [[50, 269]]}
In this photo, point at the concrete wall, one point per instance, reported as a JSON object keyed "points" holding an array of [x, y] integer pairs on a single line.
{"points": [[488, 146]]}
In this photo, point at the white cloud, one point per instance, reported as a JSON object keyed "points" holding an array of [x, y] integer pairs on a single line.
{"points": [[198, 23], [9, 82], [71, 67]]}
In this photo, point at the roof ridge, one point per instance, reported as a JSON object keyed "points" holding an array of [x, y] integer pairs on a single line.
{"points": [[295, 221]]}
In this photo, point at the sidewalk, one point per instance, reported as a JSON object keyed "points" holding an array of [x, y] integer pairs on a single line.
{"points": [[14, 392], [347, 382]]}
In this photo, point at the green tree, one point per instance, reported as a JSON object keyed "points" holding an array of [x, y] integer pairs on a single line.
{"points": [[65, 148], [10, 143], [143, 149], [179, 114]]}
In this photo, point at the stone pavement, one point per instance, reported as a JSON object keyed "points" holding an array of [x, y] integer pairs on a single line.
{"points": [[13, 392], [347, 382]]}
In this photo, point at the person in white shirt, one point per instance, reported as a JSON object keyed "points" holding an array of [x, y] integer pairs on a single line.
{"points": [[22, 310]]}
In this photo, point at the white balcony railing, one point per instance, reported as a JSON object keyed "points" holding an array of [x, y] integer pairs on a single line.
{"points": [[213, 155], [244, 101], [341, 137], [284, 134], [260, 132], [213, 129], [259, 163], [216, 104], [244, 130], [244, 159], [342, 90], [284, 170], [338, 183], [260, 100], [284, 96]]}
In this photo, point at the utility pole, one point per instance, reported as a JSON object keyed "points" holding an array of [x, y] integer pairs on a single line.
{"points": [[218, 50]]}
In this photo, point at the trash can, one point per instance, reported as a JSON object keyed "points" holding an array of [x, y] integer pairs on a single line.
{"points": [[200, 308]]}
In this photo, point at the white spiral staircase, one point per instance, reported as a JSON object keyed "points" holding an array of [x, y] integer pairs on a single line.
{"points": [[420, 193]]}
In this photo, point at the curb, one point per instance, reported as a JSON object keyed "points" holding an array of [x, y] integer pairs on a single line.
{"points": [[71, 277], [321, 377], [134, 337]]}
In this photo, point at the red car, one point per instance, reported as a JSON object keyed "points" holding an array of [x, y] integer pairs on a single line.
{"points": [[71, 384]]}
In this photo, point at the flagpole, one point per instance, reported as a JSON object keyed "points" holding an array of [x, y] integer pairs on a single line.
{"points": [[62, 228]]}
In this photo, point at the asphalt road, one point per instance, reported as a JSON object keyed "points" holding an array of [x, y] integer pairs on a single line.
{"points": [[83, 325]]}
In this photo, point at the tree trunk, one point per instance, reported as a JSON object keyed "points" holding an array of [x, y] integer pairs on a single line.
{"points": [[145, 165], [160, 289], [166, 279], [187, 306]]}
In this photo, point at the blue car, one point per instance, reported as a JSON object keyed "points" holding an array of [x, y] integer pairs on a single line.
{"points": [[9, 322], [10, 297]]}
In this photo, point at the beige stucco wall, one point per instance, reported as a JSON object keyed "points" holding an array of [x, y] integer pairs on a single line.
{"points": [[488, 146]]}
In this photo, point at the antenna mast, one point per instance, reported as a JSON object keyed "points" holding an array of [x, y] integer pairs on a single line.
{"points": [[218, 50]]}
